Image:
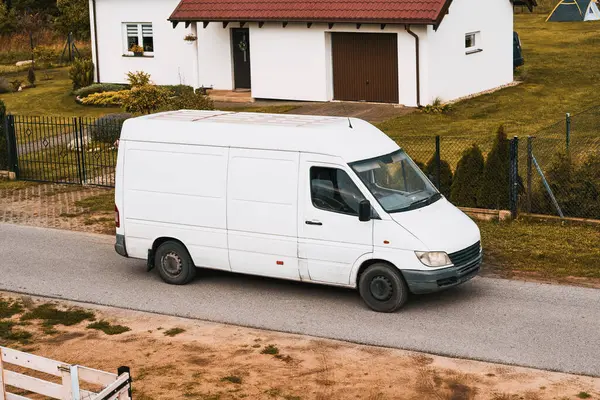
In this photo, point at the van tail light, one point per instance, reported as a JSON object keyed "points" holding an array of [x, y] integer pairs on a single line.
{"points": [[117, 217]]}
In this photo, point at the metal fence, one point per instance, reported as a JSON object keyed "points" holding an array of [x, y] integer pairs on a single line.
{"points": [[63, 150], [554, 172]]}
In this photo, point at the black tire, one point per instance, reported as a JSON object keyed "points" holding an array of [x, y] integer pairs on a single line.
{"points": [[382, 288], [174, 263]]}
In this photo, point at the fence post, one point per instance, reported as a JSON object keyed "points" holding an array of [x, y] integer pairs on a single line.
{"points": [[79, 150], [568, 130], [11, 144], [120, 371], [438, 163], [513, 177], [529, 171], [83, 145]]}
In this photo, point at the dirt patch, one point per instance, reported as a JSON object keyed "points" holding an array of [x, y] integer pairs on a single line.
{"points": [[71, 207], [215, 361]]}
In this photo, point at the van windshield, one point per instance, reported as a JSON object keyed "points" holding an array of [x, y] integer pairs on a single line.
{"points": [[396, 182]]}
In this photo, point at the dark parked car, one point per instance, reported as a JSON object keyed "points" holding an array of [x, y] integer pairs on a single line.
{"points": [[517, 51]]}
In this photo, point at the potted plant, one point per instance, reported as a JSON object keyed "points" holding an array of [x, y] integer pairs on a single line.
{"points": [[190, 38], [138, 51]]}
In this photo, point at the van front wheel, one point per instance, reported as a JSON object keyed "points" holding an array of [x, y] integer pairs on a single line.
{"points": [[174, 263], [382, 287]]}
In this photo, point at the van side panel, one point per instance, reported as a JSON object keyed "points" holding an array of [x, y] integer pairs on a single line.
{"points": [[262, 203], [177, 191]]}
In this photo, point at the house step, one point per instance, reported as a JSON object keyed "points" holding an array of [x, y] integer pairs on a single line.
{"points": [[231, 96]]}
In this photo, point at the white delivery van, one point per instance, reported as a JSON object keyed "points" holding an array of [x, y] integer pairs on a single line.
{"points": [[318, 199]]}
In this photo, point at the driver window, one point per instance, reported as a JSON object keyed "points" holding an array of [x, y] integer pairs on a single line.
{"points": [[333, 190]]}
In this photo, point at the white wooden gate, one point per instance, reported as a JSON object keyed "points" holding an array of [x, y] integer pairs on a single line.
{"points": [[115, 386]]}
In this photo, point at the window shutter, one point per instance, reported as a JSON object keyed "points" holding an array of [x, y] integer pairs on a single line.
{"points": [[147, 31], [132, 30]]}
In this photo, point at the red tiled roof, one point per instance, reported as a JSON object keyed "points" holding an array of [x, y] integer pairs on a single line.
{"points": [[358, 11]]}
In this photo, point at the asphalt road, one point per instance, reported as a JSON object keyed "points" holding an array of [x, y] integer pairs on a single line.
{"points": [[543, 326]]}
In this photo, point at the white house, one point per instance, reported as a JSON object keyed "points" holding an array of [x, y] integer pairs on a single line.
{"points": [[394, 51]]}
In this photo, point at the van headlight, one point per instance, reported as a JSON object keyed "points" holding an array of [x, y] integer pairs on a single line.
{"points": [[433, 258]]}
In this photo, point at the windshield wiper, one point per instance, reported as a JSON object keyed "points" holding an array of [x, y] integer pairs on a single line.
{"points": [[419, 203]]}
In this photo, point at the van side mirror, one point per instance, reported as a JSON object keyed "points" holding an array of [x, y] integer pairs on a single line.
{"points": [[364, 211]]}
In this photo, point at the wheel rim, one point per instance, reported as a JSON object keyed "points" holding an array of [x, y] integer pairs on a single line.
{"points": [[381, 288], [172, 264]]}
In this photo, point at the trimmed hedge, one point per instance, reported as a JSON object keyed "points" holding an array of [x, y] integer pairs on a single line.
{"points": [[107, 129], [99, 88], [178, 90], [494, 191], [467, 178], [445, 175], [106, 99]]}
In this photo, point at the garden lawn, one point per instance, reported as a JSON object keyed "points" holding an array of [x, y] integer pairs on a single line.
{"points": [[541, 250], [560, 75], [50, 97]]}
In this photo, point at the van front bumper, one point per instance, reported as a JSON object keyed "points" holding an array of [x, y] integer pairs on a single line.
{"points": [[420, 282], [120, 247]]}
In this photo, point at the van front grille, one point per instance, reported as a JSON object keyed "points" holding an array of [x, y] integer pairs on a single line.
{"points": [[466, 256]]}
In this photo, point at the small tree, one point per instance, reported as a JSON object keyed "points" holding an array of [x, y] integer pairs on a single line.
{"points": [[445, 175], [494, 191], [146, 99], [138, 78], [467, 178], [31, 76], [81, 73]]}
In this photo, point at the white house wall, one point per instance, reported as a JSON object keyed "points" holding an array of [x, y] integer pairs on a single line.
{"points": [[294, 63], [172, 62], [454, 74], [215, 56]]}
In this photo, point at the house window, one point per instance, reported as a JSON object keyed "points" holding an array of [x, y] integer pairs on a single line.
{"points": [[138, 34], [473, 42]]}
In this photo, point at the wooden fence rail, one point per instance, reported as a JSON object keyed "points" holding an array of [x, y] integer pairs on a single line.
{"points": [[114, 386]]}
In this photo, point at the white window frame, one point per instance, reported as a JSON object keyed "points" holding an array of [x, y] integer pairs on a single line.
{"points": [[140, 36], [476, 44]]}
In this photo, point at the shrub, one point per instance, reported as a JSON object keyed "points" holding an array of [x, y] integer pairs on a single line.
{"points": [[146, 99], [178, 90], [31, 76], [16, 84], [437, 107], [494, 189], [467, 178], [99, 88], [107, 129], [445, 175], [105, 99], [190, 101], [45, 55], [5, 86], [576, 188], [138, 78], [82, 73]]}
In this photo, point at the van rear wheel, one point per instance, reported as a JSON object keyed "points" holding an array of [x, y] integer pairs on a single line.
{"points": [[382, 288], [174, 263]]}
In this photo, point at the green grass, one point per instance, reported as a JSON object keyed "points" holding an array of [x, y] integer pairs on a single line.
{"points": [[8, 308], [561, 63], [108, 328], [270, 349], [8, 334], [584, 395], [232, 378], [51, 316], [15, 185], [104, 202], [548, 250], [173, 332], [50, 97]]}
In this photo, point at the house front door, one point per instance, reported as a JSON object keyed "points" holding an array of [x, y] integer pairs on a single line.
{"points": [[241, 57]]}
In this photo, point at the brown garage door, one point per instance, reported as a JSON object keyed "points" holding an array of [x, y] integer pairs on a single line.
{"points": [[365, 67]]}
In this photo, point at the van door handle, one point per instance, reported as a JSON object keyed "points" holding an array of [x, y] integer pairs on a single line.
{"points": [[314, 223]]}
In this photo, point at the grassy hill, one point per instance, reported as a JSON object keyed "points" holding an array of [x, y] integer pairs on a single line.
{"points": [[561, 75]]}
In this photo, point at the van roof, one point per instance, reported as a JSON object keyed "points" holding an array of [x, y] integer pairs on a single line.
{"points": [[350, 138]]}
